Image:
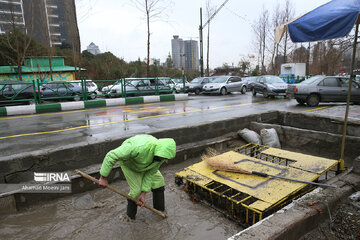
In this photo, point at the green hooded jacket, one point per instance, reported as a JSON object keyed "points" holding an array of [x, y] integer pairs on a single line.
{"points": [[137, 153]]}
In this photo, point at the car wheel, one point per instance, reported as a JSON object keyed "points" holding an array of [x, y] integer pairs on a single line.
{"points": [[93, 96], [77, 98], [301, 102], [265, 93], [223, 91], [253, 92], [197, 91], [243, 90], [313, 100]]}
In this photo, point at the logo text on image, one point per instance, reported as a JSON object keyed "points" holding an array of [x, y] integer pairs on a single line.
{"points": [[51, 177]]}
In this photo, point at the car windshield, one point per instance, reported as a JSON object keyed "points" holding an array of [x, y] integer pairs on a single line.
{"points": [[219, 79], [311, 80], [131, 83], [196, 80], [273, 79]]}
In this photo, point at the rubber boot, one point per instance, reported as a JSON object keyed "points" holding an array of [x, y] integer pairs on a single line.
{"points": [[131, 209], [159, 198]]}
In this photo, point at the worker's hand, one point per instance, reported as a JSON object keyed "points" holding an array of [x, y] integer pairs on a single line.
{"points": [[103, 182], [141, 199]]}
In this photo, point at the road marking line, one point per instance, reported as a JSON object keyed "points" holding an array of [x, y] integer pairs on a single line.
{"points": [[315, 109], [130, 120]]}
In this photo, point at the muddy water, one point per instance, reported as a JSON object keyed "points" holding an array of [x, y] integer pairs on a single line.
{"points": [[101, 214]]}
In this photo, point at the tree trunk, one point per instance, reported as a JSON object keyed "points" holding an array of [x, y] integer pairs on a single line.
{"points": [[50, 63], [272, 60], [285, 45]]}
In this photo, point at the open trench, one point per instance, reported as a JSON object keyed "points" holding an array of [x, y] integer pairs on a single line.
{"points": [[99, 213]]}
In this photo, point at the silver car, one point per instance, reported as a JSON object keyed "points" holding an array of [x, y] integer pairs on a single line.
{"points": [[224, 85], [269, 85], [318, 89]]}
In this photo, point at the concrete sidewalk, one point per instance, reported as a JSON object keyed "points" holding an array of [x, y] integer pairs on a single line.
{"points": [[78, 105]]}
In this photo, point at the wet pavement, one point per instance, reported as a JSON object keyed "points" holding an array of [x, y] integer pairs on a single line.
{"points": [[55, 130], [101, 214], [339, 111]]}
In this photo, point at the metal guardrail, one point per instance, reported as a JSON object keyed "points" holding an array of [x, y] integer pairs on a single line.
{"points": [[38, 92]]}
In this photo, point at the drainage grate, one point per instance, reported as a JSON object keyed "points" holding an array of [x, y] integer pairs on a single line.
{"points": [[246, 198]]}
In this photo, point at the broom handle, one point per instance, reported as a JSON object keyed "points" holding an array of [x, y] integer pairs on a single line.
{"points": [[260, 174], [119, 192]]}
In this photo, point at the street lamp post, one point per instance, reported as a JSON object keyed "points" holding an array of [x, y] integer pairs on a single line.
{"points": [[201, 45]]}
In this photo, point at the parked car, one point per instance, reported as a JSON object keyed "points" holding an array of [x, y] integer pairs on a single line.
{"points": [[196, 85], [269, 85], [321, 88], [91, 87], [140, 87], [179, 84], [166, 81], [18, 92], [248, 82], [224, 85], [107, 89], [61, 89]]}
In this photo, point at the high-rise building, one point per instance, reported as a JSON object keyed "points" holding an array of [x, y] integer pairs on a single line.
{"points": [[93, 48], [11, 11], [191, 55], [178, 52], [50, 22], [185, 53]]}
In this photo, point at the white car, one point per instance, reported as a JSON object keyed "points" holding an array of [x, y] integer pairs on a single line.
{"points": [[224, 85], [179, 84], [91, 87]]}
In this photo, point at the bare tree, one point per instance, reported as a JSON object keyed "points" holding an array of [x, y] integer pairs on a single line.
{"points": [[153, 10], [260, 29], [287, 14], [331, 56], [273, 49]]}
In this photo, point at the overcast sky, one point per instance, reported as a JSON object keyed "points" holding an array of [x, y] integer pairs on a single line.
{"points": [[117, 26]]}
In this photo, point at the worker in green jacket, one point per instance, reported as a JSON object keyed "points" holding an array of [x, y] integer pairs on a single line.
{"points": [[140, 158]]}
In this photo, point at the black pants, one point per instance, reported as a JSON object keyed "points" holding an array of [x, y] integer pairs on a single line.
{"points": [[158, 202]]}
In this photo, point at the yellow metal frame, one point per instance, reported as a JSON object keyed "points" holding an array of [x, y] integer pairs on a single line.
{"points": [[248, 198]]}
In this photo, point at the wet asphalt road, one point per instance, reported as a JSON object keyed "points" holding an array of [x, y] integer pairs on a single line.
{"points": [[30, 133]]}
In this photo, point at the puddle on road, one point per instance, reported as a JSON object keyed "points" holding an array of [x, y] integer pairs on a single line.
{"points": [[101, 214]]}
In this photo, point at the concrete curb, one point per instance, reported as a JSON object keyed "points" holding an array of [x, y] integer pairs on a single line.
{"points": [[68, 106], [304, 214]]}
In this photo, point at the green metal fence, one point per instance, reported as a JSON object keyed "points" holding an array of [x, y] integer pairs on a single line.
{"points": [[38, 92]]}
